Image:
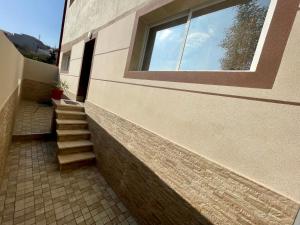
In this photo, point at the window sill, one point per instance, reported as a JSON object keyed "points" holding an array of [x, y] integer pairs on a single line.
{"points": [[227, 78]]}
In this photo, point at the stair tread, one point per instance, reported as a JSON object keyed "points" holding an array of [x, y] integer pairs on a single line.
{"points": [[74, 144], [72, 132], [64, 104], [70, 122], [69, 112], [75, 157]]}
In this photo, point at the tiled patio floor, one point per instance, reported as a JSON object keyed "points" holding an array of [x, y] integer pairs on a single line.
{"points": [[33, 118], [35, 192]]}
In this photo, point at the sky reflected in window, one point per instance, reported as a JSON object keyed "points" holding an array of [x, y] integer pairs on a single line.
{"points": [[166, 48], [202, 51], [223, 37]]}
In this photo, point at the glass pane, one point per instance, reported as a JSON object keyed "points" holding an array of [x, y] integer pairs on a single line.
{"points": [[164, 45], [224, 38]]}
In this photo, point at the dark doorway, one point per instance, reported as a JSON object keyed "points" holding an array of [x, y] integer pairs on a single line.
{"points": [[85, 70]]}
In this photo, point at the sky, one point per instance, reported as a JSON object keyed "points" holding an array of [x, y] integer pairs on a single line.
{"points": [[33, 17], [202, 50]]}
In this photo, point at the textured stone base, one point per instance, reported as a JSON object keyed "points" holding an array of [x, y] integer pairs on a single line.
{"points": [[36, 91], [6, 128], [163, 183]]}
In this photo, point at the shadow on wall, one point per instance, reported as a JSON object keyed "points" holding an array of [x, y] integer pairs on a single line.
{"points": [[11, 73], [148, 197], [19, 76], [38, 80], [7, 117]]}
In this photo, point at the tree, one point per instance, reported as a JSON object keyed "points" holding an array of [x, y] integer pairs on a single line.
{"points": [[241, 39], [52, 58]]}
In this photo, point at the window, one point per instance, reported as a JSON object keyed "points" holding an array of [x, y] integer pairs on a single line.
{"points": [[222, 36], [164, 43], [65, 62], [231, 67]]}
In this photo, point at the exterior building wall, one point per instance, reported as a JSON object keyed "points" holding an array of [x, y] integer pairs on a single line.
{"points": [[163, 183], [11, 72], [251, 132], [82, 17], [72, 76]]}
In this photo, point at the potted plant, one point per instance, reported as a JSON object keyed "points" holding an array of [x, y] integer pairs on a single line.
{"points": [[59, 89]]}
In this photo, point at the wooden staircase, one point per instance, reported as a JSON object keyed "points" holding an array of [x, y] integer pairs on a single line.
{"points": [[73, 137]]}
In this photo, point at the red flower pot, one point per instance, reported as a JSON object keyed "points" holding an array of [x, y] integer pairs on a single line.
{"points": [[57, 94]]}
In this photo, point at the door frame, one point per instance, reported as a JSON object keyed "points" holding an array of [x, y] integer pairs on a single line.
{"points": [[86, 40]]}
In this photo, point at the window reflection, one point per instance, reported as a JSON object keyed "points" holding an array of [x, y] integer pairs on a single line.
{"points": [[164, 45], [220, 37]]}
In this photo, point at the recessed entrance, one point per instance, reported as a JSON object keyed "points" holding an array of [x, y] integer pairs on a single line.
{"points": [[85, 70]]}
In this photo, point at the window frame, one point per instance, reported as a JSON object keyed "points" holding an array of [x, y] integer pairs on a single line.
{"points": [[272, 49], [63, 67], [148, 32], [189, 16]]}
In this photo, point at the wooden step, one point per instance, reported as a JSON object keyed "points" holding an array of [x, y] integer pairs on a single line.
{"points": [[72, 135], [64, 104], [67, 147], [70, 115], [71, 124], [76, 160]]}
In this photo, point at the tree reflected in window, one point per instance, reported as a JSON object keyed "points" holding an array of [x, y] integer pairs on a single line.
{"points": [[241, 39], [218, 37]]}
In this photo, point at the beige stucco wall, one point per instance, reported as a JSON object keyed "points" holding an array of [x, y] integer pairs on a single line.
{"points": [[14, 68], [11, 72], [72, 76], [83, 17], [39, 71], [255, 138], [11, 69]]}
